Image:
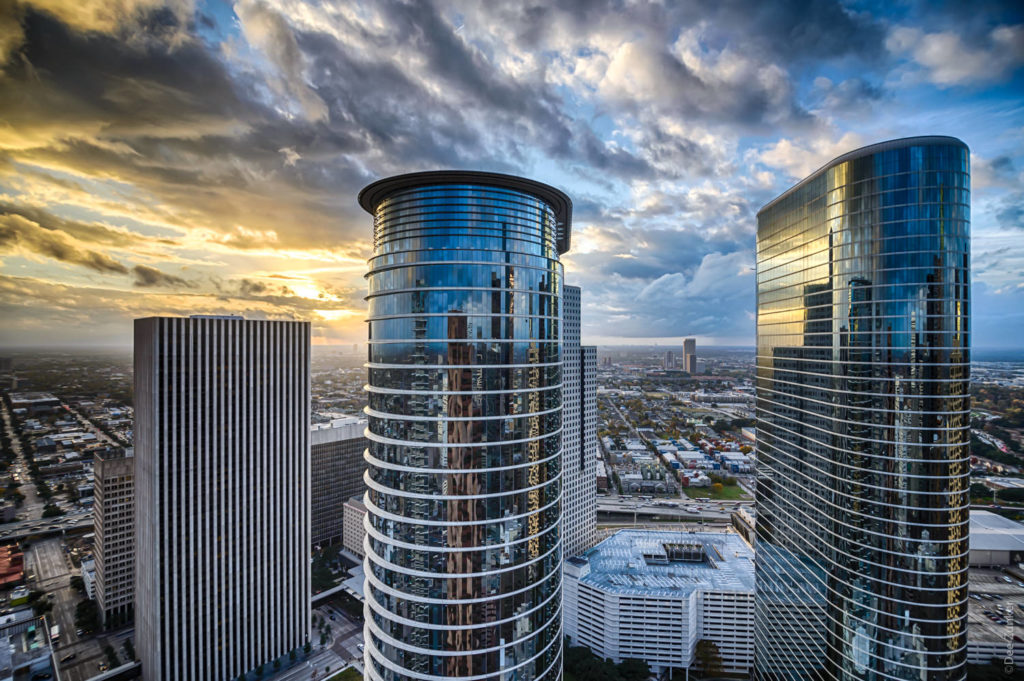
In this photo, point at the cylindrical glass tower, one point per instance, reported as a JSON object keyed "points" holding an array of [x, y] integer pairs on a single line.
{"points": [[463, 567], [863, 412]]}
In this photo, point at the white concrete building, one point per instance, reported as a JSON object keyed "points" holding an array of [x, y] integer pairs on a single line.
{"points": [[89, 578], [355, 532], [652, 595], [579, 431], [222, 495]]}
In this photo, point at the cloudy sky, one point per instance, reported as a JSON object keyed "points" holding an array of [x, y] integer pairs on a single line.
{"points": [[204, 157]]}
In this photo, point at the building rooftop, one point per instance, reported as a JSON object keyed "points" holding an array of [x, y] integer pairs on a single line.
{"points": [[992, 532], [372, 194], [867, 151], [658, 563], [28, 398], [345, 428]]}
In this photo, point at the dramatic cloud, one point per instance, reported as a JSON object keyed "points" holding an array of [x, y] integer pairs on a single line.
{"points": [[949, 60], [20, 235], [173, 156], [150, 277]]}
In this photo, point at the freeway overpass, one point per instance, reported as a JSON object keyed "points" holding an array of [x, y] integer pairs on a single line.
{"points": [[45, 526], [623, 507]]}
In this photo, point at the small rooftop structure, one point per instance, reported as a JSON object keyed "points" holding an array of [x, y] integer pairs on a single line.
{"points": [[345, 428]]}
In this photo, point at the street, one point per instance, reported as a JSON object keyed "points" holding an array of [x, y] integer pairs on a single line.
{"points": [[33, 505], [346, 635], [51, 570]]}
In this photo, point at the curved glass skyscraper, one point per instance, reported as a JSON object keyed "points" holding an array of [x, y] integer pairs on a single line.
{"points": [[863, 413], [463, 568]]}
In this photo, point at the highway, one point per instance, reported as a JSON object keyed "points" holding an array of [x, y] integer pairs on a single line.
{"points": [[75, 519], [690, 510]]}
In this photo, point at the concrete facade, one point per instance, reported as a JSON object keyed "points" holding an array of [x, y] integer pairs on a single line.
{"points": [[337, 466], [222, 495], [114, 523]]}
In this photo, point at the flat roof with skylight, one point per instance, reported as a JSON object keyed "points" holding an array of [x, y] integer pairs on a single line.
{"points": [[658, 564]]}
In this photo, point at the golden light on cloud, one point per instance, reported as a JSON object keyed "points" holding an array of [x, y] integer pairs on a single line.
{"points": [[337, 315]]}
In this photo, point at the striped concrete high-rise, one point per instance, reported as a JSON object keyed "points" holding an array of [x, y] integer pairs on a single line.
{"points": [[222, 495], [579, 431]]}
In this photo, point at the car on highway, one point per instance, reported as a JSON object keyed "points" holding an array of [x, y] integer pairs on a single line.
{"points": [[68, 657]]}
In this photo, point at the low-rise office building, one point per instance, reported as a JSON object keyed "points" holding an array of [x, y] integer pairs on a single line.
{"points": [[653, 595], [337, 466], [25, 648]]}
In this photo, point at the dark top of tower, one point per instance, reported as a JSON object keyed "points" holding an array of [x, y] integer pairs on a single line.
{"points": [[560, 203], [867, 151]]}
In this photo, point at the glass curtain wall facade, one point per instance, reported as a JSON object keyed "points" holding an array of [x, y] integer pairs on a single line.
{"points": [[463, 568], [863, 417]]}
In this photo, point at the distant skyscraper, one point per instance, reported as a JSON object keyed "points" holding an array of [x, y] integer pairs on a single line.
{"points": [[222, 495], [336, 470], [690, 355], [670, 360], [579, 431], [465, 415], [862, 406], [113, 512]]}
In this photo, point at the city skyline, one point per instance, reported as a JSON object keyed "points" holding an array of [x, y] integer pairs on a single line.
{"points": [[202, 157]]}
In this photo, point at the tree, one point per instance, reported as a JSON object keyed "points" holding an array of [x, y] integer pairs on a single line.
{"points": [[292, 655], [277, 664], [129, 649], [717, 488], [306, 648], [77, 583], [52, 510], [87, 616], [111, 654], [709, 658], [981, 490], [40, 605], [634, 670], [581, 663]]}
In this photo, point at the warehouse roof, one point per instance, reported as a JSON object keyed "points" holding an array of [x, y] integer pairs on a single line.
{"points": [[992, 532]]}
